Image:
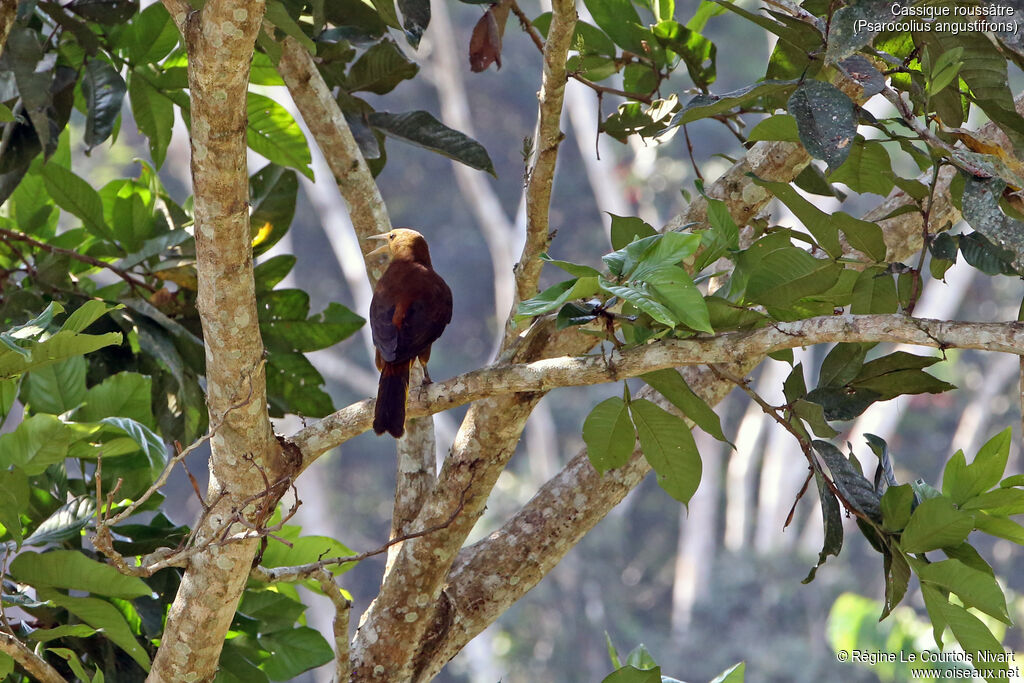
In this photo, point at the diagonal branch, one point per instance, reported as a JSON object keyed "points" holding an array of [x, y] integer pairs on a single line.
{"points": [[36, 666], [541, 173]]}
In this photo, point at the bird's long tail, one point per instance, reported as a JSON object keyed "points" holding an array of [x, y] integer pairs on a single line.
{"points": [[392, 392]]}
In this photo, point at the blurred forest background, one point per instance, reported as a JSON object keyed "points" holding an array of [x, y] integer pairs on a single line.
{"points": [[701, 589]]}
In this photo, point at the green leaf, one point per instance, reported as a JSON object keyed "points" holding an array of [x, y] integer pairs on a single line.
{"points": [[66, 522], [787, 275], [126, 394], [273, 133], [100, 614], [981, 210], [294, 651], [152, 445], [779, 127], [285, 327], [935, 524], [705, 105], [735, 673], [273, 610], [380, 69], [825, 120], [86, 315], [45, 635], [846, 29], [1000, 527], [867, 169], [421, 129], [14, 500], [72, 570], [972, 634], [103, 89], [832, 518], [674, 287], [897, 578], [575, 269], [304, 549], [38, 442], [842, 364], [153, 113], [670, 384], [609, 435], [1001, 502], [642, 299], [627, 229], [273, 191], [620, 21], [874, 292], [56, 388], [74, 663], [975, 588], [153, 35], [77, 197], [857, 490], [278, 15], [896, 506], [669, 447], [968, 481], [698, 52], [269, 274]]}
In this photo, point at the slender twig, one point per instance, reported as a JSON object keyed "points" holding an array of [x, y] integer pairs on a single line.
{"points": [[535, 36], [8, 236], [306, 571], [689, 150], [801, 438], [926, 211], [342, 610]]}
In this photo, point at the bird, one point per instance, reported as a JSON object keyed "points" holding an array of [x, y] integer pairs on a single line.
{"points": [[410, 308]]}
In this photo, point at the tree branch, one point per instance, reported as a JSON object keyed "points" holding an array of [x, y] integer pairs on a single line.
{"points": [[540, 175], [8, 12], [327, 123], [36, 666], [12, 236], [220, 40]]}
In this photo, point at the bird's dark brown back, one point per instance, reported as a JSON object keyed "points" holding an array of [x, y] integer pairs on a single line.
{"points": [[410, 308]]}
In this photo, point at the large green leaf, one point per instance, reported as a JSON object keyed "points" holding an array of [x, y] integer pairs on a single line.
{"points": [[77, 197], [273, 192], [825, 120], [56, 388], [153, 113], [66, 522], [857, 490], [970, 631], [294, 651], [609, 435], [14, 499], [674, 287], [981, 210], [380, 69], [38, 442], [962, 482], [421, 129], [100, 614], [71, 570], [670, 384], [669, 447], [642, 299], [103, 89], [975, 588], [786, 275], [868, 168], [152, 35], [935, 524], [273, 133], [619, 19], [286, 327], [126, 394]]}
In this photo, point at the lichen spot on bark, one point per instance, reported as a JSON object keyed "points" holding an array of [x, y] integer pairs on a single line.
{"points": [[191, 676], [241, 14], [513, 580], [221, 95], [378, 670], [753, 194], [411, 617], [422, 600], [579, 500], [225, 562]]}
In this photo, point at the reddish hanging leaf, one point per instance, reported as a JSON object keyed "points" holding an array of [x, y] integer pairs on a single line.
{"points": [[485, 44]]}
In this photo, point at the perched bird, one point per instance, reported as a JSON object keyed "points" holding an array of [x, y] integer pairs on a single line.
{"points": [[410, 308]]}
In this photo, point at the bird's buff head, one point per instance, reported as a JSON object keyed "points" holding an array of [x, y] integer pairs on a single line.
{"points": [[403, 244]]}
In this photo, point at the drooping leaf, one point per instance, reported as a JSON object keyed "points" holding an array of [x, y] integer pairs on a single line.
{"points": [[66, 522], [273, 133], [77, 197], [981, 210], [609, 435], [975, 588], [103, 89], [703, 106], [669, 447], [670, 384], [380, 69], [825, 120], [423, 130], [897, 502], [294, 651], [833, 520], [100, 614], [153, 113], [857, 490], [14, 500], [36, 443], [70, 569], [56, 388]]}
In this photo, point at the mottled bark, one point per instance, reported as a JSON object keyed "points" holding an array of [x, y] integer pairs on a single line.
{"points": [[220, 41]]}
